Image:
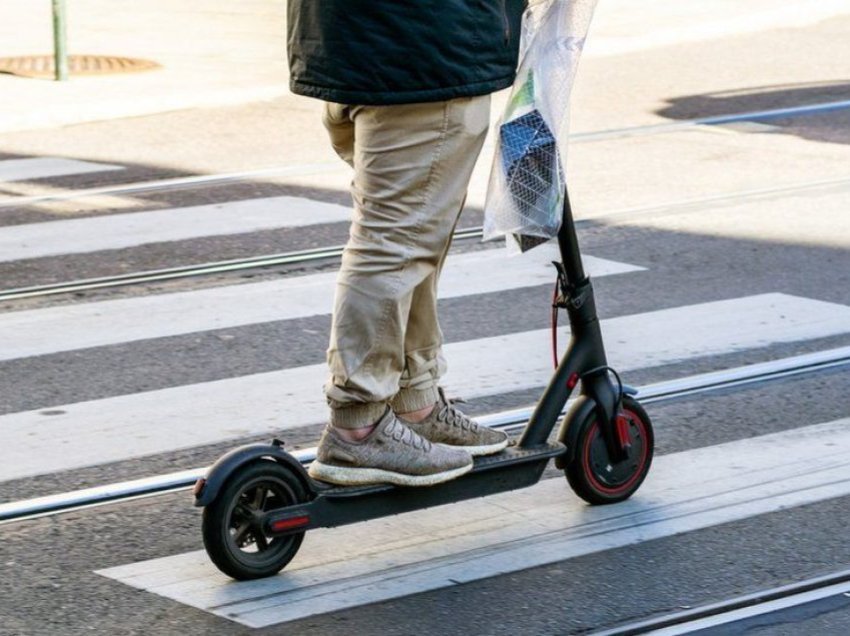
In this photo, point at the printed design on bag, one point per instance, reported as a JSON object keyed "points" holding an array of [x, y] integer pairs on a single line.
{"points": [[525, 194]]}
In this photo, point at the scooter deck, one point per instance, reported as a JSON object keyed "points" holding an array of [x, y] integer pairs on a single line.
{"points": [[333, 506]]}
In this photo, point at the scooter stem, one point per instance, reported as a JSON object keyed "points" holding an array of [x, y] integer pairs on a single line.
{"points": [[585, 357]]}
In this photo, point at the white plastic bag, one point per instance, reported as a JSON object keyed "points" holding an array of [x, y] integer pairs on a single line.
{"points": [[526, 189]]}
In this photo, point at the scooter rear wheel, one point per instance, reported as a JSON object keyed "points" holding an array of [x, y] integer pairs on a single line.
{"points": [[593, 476], [234, 540]]}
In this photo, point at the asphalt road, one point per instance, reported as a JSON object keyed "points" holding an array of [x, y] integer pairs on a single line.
{"points": [[710, 214]]}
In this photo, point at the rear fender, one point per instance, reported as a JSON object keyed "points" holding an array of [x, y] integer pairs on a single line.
{"points": [[208, 487]]}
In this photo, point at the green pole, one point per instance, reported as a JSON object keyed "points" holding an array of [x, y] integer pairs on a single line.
{"points": [[60, 51]]}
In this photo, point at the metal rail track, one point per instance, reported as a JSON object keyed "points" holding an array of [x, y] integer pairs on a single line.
{"points": [[738, 609], [178, 183], [507, 420], [188, 271], [327, 253]]}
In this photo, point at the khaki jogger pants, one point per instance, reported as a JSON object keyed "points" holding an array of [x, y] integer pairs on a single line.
{"points": [[412, 164]]}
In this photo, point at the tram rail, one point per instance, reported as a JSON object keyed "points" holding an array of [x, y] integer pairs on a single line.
{"points": [[739, 609], [327, 254]]}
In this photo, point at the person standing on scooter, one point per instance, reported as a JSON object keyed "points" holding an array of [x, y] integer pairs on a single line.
{"points": [[407, 89]]}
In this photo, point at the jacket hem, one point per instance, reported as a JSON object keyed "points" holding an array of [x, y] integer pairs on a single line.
{"points": [[387, 98]]}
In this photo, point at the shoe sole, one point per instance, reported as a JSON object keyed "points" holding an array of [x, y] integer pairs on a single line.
{"points": [[487, 449], [345, 476]]}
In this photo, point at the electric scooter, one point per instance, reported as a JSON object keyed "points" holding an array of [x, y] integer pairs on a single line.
{"points": [[259, 500]]}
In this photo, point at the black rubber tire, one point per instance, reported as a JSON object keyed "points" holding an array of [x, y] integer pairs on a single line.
{"points": [[584, 471], [282, 488]]}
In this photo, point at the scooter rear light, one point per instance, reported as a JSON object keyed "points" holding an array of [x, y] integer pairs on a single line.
{"points": [[572, 381], [281, 525]]}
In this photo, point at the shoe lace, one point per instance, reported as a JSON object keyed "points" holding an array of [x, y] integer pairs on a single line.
{"points": [[407, 436], [452, 416]]}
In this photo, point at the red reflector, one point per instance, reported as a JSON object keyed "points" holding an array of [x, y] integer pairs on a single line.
{"points": [[199, 486], [572, 381], [288, 524], [623, 432]]}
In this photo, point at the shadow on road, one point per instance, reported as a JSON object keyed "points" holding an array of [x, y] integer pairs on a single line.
{"points": [[831, 126]]}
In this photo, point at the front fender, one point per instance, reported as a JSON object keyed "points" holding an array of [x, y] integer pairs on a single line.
{"points": [[208, 487], [583, 408]]}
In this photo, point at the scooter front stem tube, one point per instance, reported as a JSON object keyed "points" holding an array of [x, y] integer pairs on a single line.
{"points": [[581, 309], [588, 333], [548, 410], [568, 245], [585, 352]]}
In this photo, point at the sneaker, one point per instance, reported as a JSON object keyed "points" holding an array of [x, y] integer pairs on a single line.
{"points": [[446, 425], [392, 453]]}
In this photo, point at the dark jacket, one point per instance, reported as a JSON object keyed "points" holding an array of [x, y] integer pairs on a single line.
{"points": [[402, 51]]}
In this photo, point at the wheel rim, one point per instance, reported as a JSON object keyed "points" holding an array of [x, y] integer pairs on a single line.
{"points": [[615, 479], [245, 538]]}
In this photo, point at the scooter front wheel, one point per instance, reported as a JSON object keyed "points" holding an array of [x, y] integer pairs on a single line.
{"points": [[592, 474], [233, 538]]}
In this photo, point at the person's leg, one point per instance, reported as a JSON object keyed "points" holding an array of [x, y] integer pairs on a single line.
{"points": [[420, 403], [412, 167], [407, 190], [340, 127], [424, 361]]}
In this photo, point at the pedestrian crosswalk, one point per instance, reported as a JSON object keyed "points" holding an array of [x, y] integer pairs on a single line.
{"points": [[66, 436], [33, 168], [498, 535]]}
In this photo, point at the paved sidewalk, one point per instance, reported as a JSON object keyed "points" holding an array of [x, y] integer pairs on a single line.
{"points": [[219, 52], [212, 52]]}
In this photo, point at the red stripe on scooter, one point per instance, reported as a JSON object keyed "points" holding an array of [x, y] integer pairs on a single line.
{"points": [[289, 524]]}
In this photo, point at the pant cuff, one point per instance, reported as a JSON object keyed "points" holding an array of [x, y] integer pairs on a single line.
{"points": [[407, 400], [357, 415]]}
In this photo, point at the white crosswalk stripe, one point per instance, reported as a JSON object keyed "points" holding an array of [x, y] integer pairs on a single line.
{"points": [[113, 429], [118, 231], [42, 331], [45, 167], [450, 545]]}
